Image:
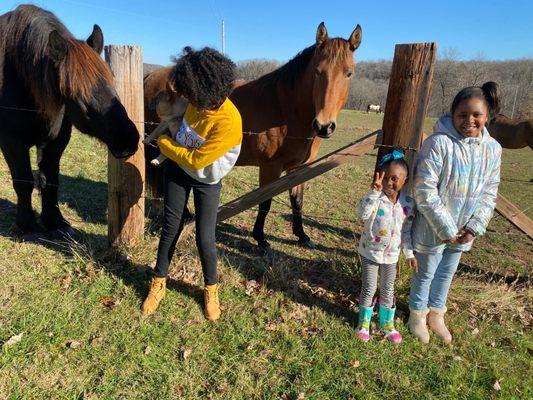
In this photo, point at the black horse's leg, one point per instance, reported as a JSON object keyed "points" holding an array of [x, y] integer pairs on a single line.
{"points": [[296, 195], [267, 174], [17, 156], [48, 158]]}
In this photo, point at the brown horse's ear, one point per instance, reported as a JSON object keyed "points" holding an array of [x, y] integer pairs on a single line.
{"points": [[355, 38], [57, 46], [321, 34], [96, 40]]}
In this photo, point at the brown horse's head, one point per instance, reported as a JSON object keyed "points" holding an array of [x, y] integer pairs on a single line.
{"points": [[332, 66]]}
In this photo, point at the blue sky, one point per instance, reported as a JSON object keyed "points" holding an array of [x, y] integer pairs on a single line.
{"points": [[275, 29]]}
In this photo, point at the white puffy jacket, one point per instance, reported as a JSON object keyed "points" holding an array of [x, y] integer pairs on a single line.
{"points": [[455, 186]]}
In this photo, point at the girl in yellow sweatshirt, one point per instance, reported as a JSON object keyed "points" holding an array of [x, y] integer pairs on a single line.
{"points": [[203, 151]]}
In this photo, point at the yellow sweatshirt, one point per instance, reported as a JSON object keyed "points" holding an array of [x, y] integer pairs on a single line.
{"points": [[207, 144]]}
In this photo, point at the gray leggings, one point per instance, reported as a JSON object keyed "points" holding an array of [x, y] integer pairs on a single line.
{"points": [[387, 273]]}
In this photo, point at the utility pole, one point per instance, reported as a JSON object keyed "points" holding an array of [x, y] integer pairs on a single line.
{"points": [[223, 39]]}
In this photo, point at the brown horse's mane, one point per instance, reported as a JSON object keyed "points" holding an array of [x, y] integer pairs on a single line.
{"points": [[334, 50], [24, 36]]}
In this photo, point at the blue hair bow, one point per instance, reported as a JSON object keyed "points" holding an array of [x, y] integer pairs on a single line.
{"points": [[394, 155]]}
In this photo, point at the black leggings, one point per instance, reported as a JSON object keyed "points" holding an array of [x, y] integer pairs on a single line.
{"points": [[178, 186]]}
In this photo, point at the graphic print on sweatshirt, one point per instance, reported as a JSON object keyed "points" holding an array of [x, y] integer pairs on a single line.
{"points": [[187, 137]]}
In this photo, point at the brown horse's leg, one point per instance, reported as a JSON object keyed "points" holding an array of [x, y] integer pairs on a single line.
{"points": [[267, 174], [296, 195]]}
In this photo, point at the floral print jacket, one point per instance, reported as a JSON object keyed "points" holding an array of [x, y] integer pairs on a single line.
{"points": [[387, 227]]}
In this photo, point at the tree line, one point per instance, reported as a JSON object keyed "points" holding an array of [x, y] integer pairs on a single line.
{"points": [[371, 81]]}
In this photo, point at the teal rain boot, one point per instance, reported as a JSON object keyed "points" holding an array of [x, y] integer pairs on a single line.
{"points": [[363, 327], [386, 323]]}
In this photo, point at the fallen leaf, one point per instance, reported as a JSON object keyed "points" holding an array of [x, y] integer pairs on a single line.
{"points": [[355, 364], [301, 396], [475, 331], [457, 358], [96, 340], [186, 353], [109, 302], [496, 386], [222, 387], [147, 350], [65, 281], [252, 287], [310, 331], [179, 389], [73, 344], [14, 339]]}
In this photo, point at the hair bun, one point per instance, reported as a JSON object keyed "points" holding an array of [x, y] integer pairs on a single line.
{"points": [[490, 90]]}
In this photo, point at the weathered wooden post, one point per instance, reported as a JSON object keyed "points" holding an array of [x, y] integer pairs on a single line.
{"points": [[408, 98], [126, 177]]}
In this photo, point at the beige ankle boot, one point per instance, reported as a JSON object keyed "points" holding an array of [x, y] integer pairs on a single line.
{"points": [[211, 302], [417, 324], [157, 292], [437, 325]]}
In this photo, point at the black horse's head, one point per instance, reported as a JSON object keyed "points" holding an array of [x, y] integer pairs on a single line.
{"points": [[86, 88]]}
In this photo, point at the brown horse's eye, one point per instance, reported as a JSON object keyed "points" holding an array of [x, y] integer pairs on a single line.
{"points": [[349, 74]]}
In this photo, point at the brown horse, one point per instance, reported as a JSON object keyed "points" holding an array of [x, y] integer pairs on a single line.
{"points": [[50, 81], [286, 113], [511, 133]]}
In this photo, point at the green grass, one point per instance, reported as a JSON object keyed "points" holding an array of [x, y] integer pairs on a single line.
{"points": [[293, 336]]}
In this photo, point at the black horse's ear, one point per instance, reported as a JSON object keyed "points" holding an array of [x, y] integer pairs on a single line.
{"points": [[57, 46], [96, 40], [355, 38], [321, 34]]}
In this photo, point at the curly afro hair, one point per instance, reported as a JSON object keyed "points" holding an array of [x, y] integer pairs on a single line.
{"points": [[205, 77]]}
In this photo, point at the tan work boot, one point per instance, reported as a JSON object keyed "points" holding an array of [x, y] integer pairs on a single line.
{"points": [[155, 295], [417, 324], [211, 302], [437, 325]]}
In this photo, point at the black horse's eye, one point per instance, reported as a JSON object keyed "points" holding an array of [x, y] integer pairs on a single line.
{"points": [[317, 72]]}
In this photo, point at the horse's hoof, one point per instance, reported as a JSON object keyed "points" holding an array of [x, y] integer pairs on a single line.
{"points": [[66, 233], [31, 236], [308, 244]]}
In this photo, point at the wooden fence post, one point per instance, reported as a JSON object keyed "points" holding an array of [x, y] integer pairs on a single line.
{"points": [[408, 97], [126, 177]]}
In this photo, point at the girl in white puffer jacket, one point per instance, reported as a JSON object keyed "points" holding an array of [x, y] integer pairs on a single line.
{"points": [[455, 188]]}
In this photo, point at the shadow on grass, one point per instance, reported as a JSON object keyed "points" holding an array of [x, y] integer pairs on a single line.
{"points": [[304, 281]]}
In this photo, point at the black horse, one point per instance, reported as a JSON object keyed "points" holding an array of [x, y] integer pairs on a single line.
{"points": [[50, 81]]}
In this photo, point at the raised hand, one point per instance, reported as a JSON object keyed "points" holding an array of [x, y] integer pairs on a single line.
{"points": [[377, 185]]}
